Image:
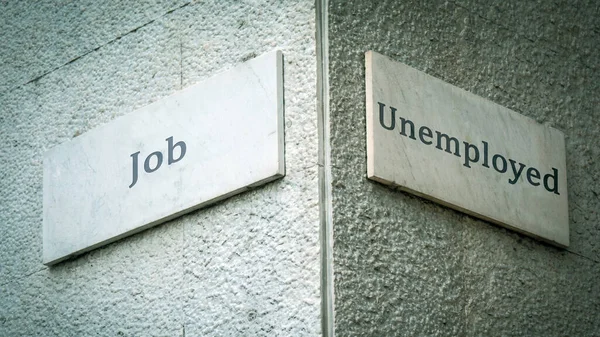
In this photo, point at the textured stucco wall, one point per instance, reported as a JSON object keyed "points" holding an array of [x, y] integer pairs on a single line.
{"points": [[406, 266], [248, 266]]}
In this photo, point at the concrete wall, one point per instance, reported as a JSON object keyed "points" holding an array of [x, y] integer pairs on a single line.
{"points": [[248, 266], [251, 265], [405, 266]]}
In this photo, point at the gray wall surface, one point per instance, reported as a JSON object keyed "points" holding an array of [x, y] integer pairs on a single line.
{"points": [[248, 266], [408, 267]]}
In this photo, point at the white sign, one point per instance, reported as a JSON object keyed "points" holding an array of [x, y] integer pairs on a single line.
{"points": [[200, 145], [445, 144]]}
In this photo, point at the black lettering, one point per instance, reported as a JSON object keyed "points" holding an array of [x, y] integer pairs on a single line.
{"points": [[516, 173], [494, 163], [448, 139], [428, 134], [393, 120], [159, 158], [412, 127], [485, 154], [182, 149], [468, 158], [554, 177], [444, 142], [135, 168], [532, 172]]}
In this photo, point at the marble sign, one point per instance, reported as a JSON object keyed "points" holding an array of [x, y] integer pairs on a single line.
{"points": [[200, 145], [440, 142]]}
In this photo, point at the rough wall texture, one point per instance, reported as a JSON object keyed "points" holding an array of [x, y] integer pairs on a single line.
{"points": [[248, 266], [406, 266]]}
